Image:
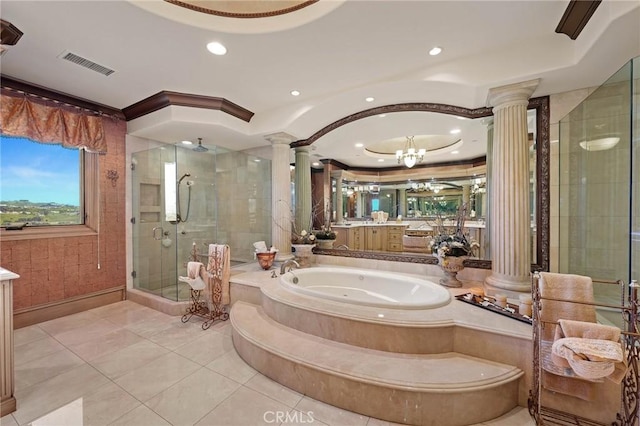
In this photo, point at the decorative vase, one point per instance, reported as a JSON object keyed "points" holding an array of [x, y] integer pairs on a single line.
{"points": [[451, 265], [304, 254], [325, 244]]}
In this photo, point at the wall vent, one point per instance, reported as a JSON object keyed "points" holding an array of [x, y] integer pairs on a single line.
{"points": [[83, 62]]}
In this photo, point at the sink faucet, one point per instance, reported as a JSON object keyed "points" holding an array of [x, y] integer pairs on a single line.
{"points": [[290, 263]]}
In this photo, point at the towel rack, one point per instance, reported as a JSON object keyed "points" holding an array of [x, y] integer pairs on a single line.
{"points": [[210, 313], [629, 413]]}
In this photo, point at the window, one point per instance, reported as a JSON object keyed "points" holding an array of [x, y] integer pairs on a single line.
{"points": [[40, 184], [52, 189]]}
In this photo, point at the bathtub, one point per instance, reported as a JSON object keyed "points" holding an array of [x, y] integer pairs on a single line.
{"points": [[367, 287]]}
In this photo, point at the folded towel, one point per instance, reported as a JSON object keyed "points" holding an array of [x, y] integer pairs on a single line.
{"points": [[219, 272], [573, 288], [195, 273]]}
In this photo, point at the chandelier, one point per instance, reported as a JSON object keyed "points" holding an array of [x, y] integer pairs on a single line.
{"points": [[410, 155]]}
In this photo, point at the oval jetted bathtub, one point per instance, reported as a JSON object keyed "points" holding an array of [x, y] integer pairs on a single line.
{"points": [[367, 287]]}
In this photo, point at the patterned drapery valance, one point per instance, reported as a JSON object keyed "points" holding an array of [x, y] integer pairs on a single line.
{"points": [[21, 116]]}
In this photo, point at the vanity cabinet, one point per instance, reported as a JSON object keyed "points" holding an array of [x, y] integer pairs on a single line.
{"points": [[394, 237], [356, 238], [375, 238]]}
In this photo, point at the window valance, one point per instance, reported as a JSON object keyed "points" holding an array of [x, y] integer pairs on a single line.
{"points": [[21, 116]]}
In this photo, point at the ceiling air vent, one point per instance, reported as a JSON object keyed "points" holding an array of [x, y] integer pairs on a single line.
{"points": [[83, 62]]}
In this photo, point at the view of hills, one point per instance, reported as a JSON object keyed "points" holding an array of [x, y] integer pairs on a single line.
{"points": [[21, 211]]}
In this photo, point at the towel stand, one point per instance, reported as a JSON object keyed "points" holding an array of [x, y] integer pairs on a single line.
{"points": [[199, 307], [629, 414]]}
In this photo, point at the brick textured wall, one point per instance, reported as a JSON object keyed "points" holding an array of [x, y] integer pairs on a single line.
{"points": [[55, 269]]}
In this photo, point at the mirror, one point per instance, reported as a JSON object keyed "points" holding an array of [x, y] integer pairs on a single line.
{"points": [[371, 179]]}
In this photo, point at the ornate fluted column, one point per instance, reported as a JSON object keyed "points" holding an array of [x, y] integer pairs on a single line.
{"points": [[466, 196], [509, 210], [339, 199], [487, 199], [402, 202], [281, 194], [302, 187]]}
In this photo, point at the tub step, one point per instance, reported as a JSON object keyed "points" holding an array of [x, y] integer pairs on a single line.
{"points": [[421, 389]]}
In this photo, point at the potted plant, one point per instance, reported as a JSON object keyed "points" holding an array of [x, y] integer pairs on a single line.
{"points": [[452, 249], [325, 237]]}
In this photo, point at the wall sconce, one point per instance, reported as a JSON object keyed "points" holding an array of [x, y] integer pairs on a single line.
{"points": [[113, 176]]}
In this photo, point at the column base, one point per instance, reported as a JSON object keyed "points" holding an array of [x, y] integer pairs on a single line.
{"points": [[512, 287], [8, 406], [283, 257]]}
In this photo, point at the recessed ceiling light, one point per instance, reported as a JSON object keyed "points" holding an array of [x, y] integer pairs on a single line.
{"points": [[187, 142], [382, 115], [359, 145], [455, 131], [462, 118], [216, 48], [369, 99], [257, 160], [380, 160], [315, 164], [295, 93], [454, 152], [435, 51]]}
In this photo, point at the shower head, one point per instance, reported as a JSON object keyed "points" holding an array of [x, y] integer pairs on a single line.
{"points": [[183, 176], [200, 148]]}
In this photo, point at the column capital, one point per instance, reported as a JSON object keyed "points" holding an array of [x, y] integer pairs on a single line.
{"points": [[280, 138], [512, 93], [302, 149]]}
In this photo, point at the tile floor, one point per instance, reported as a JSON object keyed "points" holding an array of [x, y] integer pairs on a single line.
{"points": [[125, 364]]}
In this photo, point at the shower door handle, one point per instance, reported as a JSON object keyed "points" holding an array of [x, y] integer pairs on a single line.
{"points": [[155, 234]]}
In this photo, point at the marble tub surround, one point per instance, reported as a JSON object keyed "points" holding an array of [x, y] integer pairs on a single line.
{"points": [[455, 328], [414, 389]]}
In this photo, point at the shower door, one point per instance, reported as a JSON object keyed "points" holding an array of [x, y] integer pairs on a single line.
{"points": [[154, 179]]}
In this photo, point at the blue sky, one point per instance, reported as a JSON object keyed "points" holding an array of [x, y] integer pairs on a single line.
{"points": [[38, 172]]}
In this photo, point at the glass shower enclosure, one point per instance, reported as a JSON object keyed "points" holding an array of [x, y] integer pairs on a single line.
{"points": [[184, 197], [599, 209]]}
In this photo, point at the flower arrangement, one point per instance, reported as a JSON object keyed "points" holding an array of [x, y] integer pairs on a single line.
{"points": [[303, 237], [325, 233], [456, 243]]}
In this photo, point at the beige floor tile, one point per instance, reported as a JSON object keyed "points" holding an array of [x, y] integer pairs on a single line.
{"points": [[299, 418], [232, 366], [519, 416], [8, 420], [111, 309], [245, 407], [156, 376], [274, 390], [190, 399], [45, 368], [36, 349], [107, 404], [223, 327], [141, 416], [178, 334], [86, 333], [151, 326], [132, 357], [126, 317], [205, 347], [329, 414], [64, 324], [42, 398], [28, 334], [109, 343]]}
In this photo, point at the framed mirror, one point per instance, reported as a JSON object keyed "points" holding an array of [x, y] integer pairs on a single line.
{"points": [[372, 177]]}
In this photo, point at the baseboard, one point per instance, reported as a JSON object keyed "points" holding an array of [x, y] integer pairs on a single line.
{"points": [[7, 406], [41, 313]]}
